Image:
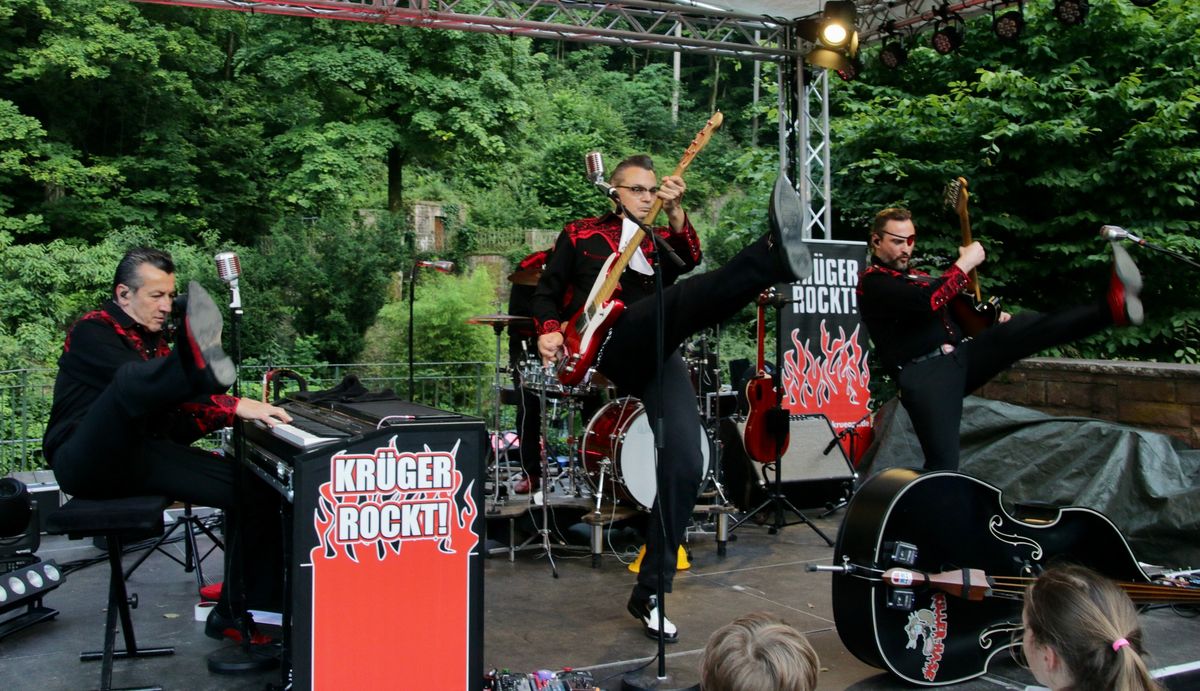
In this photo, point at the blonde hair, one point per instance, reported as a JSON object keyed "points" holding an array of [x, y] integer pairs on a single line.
{"points": [[1082, 614], [758, 652]]}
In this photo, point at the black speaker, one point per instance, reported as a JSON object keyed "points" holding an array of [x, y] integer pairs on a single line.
{"points": [[814, 470]]}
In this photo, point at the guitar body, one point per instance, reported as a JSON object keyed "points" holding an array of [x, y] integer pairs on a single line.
{"points": [[582, 338], [973, 316], [955, 521], [584, 333], [761, 443]]}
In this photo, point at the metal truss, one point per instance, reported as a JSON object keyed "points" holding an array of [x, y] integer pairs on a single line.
{"points": [[639, 24]]}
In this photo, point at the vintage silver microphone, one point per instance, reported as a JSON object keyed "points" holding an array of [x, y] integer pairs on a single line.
{"points": [[230, 270], [1114, 233], [595, 173]]}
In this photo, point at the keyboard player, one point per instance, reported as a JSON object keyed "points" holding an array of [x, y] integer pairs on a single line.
{"points": [[127, 407]]}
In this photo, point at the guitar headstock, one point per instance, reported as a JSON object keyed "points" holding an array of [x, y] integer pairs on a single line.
{"points": [[955, 196], [700, 141]]}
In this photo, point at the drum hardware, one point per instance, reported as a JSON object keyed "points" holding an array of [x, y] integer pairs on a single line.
{"points": [[497, 322]]}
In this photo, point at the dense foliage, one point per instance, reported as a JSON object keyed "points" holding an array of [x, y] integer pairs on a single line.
{"points": [[299, 142], [1067, 130]]}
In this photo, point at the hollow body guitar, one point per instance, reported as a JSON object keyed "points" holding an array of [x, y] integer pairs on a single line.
{"points": [[763, 442], [972, 313], [937, 570], [584, 332]]}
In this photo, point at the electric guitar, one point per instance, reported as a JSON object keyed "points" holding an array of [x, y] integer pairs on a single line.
{"points": [[969, 309], [585, 331], [761, 443]]}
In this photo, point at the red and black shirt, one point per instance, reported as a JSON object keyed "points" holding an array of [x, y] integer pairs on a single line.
{"points": [[905, 313], [97, 345], [579, 255]]}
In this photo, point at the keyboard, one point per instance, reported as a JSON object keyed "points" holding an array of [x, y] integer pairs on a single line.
{"points": [[296, 436]]}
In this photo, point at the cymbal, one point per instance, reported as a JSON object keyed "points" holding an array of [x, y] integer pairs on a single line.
{"points": [[495, 319], [525, 277]]}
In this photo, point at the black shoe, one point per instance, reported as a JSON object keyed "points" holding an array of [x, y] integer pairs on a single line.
{"points": [[221, 626], [787, 229], [198, 341], [646, 611]]}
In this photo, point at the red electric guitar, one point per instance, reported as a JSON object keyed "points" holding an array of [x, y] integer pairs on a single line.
{"points": [[761, 444], [969, 309], [585, 331]]}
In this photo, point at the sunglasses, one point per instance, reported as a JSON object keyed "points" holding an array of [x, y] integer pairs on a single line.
{"points": [[638, 189], [908, 239]]}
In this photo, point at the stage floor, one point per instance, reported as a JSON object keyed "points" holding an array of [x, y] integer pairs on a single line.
{"points": [[532, 620]]}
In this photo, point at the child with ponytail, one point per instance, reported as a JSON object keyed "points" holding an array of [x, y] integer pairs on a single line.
{"points": [[1082, 633]]}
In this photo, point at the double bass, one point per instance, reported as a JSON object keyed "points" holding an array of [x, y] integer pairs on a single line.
{"points": [[931, 571]]}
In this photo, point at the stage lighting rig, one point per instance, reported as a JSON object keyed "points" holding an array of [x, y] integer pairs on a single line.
{"points": [[948, 32], [25, 587], [1071, 12], [893, 54], [834, 36], [1009, 26]]}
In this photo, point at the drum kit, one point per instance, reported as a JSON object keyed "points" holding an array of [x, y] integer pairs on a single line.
{"points": [[611, 461]]}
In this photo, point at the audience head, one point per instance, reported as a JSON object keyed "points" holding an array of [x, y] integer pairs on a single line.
{"points": [[758, 652], [1082, 632]]}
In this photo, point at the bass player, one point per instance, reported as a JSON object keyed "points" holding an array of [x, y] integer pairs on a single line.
{"points": [[906, 312], [626, 356]]}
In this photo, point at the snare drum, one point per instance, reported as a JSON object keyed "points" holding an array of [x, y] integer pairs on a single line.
{"points": [[540, 379], [619, 433]]}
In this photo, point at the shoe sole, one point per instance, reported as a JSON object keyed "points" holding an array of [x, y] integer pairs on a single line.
{"points": [[204, 325], [1129, 276], [787, 221]]}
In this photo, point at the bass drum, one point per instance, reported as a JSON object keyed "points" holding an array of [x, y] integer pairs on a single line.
{"points": [[618, 446]]}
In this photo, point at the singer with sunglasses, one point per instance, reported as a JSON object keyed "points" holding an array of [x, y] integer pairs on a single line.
{"points": [[908, 317], [626, 357], [128, 406]]}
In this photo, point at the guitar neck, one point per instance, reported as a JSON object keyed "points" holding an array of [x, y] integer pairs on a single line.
{"points": [[964, 226], [613, 279]]}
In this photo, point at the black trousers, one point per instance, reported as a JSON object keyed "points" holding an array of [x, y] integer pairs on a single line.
{"points": [[932, 390], [110, 454], [628, 360]]}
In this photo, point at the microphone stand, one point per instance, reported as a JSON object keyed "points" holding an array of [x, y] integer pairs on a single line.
{"points": [[240, 658], [638, 680], [1164, 250]]}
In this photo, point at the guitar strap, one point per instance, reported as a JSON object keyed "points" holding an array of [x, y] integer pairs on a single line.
{"points": [[966, 583]]}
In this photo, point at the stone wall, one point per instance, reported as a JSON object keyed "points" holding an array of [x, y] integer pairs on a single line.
{"points": [[1154, 396]]}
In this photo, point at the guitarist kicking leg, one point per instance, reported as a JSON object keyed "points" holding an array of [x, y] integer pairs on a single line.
{"points": [[909, 317], [582, 255]]}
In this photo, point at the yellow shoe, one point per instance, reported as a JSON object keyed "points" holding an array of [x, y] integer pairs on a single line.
{"points": [[681, 562]]}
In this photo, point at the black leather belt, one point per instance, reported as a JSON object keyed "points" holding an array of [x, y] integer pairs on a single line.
{"points": [[944, 349]]}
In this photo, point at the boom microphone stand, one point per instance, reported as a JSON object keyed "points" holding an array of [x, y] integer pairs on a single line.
{"points": [[240, 658]]}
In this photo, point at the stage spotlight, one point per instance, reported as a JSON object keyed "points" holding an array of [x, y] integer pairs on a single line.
{"points": [[25, 587], [1070, 12], [850, 72], [15, 506], [893, 54], [948, 34], [1009, 26], [837, 23]]}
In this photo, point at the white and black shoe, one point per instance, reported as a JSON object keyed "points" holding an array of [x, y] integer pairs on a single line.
{"points": [[647, 612]]}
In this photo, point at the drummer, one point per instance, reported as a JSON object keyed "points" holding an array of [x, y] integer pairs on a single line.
{"points": [[522, 354]]}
